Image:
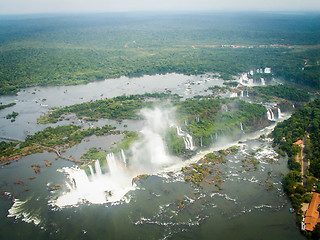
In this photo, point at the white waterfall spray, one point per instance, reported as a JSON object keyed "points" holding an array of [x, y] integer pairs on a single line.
{"points": [[148, 155], [187, 138], [123, 157], [279, 113], [270, 114], [97, 168], [241, 127]]}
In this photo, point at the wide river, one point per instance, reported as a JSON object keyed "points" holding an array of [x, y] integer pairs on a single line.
{"points": [[162, 206]]}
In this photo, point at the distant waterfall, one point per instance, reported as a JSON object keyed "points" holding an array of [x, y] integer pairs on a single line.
{"points": [[241, 94], [279, 113], [187, 138], [91, 170], [263, 82], [201, 142], [112, 164], [123, 157], [270, 114], [233, 95], [97, 168], [241, 127]]}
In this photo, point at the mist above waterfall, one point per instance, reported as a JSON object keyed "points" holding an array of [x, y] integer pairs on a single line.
{"points": [[148, 155]]}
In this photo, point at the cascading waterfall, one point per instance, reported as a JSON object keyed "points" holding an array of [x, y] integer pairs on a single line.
{"points": [[263, 82], [241, 127], [270, 114], [112, 164], [97, 168], [187, 138], [279, 113], [241, 94], [233, 95], [201, 142], [91, 170], [123, 157]]}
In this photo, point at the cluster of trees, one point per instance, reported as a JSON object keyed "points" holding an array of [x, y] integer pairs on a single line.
{"points": [[121, 107], [7, 105], [208, 118], [284, 91], [303, 122], [12, 116]]}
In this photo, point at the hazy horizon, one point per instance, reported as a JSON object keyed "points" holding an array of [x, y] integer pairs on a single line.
{"points": [[17, 7]]}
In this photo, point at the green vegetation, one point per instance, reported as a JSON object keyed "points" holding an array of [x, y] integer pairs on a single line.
{"points": [[48, 139], [174, 142], [126, 142], [7, 105], [12, 116], [205, 170], [74, 50], [207, 118], [284, 91], [304, 124], [94, 154], [119, 108]]}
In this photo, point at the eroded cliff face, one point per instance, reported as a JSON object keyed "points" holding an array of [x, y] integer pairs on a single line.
{"points": [[259, 123]]}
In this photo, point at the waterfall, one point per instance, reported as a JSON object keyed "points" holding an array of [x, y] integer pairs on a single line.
{"points": [[241, 127], [187, 138], [97, 168], [279, 113], [78, 179], [91, 170], [112, 164], [263, 82], [123, 157], [241, 94], [180, 132], [200, 141], [293, 106], [247, 93], [197, 119], [270, 114], [185, 122], [233, 95]]}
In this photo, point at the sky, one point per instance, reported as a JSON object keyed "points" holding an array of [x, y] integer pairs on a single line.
{"points": [[70, 6]]}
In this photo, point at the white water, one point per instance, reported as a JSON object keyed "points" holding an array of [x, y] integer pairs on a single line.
{"points": [[279, 113], [270, 114], [241, 127], [97, 168], [149, 156], [123, 157], [187, 138]]}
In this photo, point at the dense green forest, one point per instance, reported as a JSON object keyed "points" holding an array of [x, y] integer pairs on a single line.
{"points": [[62, 50], [283, 91], [304, 124]]}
